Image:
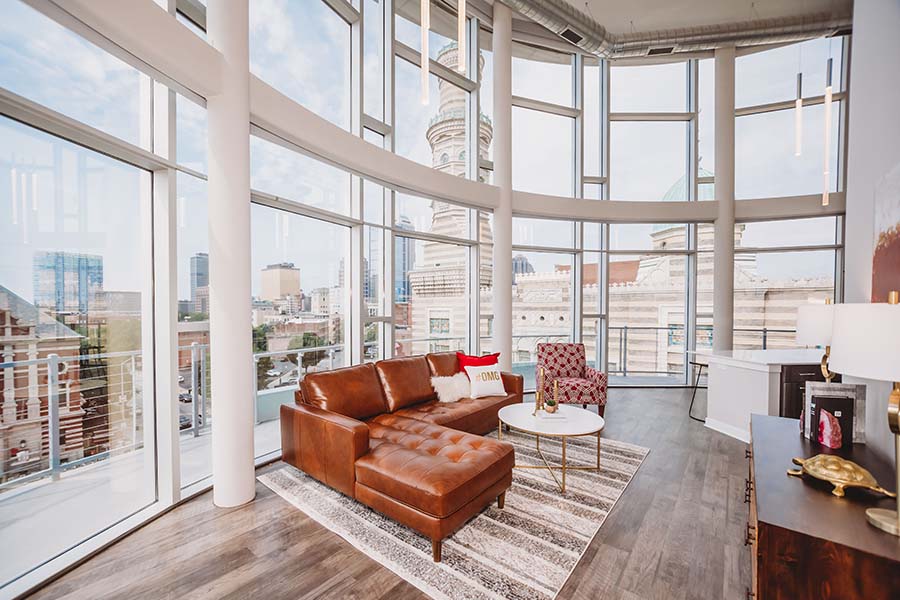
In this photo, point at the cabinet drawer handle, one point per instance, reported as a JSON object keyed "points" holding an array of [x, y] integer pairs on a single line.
{"points": [[751, 535], [748, 454], [812, 374], [750, 594], [748, 490]]}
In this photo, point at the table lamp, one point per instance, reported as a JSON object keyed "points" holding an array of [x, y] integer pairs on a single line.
{"points": [[866, 343], [814, 324]]}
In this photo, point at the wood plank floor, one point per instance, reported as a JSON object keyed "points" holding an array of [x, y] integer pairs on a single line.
{"points": [[676, 533]]}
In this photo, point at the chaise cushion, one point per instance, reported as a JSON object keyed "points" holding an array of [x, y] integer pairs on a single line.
{"points": [[405, 380], [473, 415], [353, 391], [431, 468]]}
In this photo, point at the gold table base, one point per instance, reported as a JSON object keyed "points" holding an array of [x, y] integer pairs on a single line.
{"points": [[564, 467]]}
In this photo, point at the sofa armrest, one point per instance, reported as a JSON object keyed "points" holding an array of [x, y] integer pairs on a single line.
{"points": [[595, 376], [513, 384], [323, 444]]}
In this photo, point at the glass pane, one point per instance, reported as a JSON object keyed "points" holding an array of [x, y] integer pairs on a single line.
{"points": [[592, 337], [771, 75], [648, 160], [373, 202], [485, 281], [72, 272], [768, 288], [486, 97], [431, 216], [431, 307], [543, 152], [542, 306], [646, 318], [59, 69], [591, 121], [300, 302], [373, 58], [194, 368], [706, 124], [373, 270], [297, 177], [295, 43], [543, 232], [648, 88], [541, 74], [191, 130], [592, 300], [433, 134], [779, 171], [441, 34], [647, 236], [791, 232], [373, 342]]}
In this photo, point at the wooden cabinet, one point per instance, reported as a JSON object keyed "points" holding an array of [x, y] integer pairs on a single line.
{"points": [[793, 387], [805, 543]]}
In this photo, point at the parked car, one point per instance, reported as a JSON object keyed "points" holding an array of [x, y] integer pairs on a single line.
{"points": [[184, 397], [184, 421], [273, 373], [181, 379]]}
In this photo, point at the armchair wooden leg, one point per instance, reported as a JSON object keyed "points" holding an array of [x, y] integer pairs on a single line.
{"points": [[584, 406], [436, 550], [501, 499], [601, 409]]}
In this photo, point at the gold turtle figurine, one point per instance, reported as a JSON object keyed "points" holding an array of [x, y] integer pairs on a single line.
{"points": [[839, 472]]}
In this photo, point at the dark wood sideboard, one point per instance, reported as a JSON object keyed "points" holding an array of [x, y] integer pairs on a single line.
{"points": [[793, 387], [807, 544]]}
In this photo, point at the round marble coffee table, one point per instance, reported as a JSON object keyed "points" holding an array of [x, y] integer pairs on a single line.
{"points": [[568, 421]]}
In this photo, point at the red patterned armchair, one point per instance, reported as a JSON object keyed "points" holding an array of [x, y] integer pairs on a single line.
{"points": [[578, 382]]}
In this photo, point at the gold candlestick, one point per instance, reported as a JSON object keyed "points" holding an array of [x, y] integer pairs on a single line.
{"points": [[539, 393]]}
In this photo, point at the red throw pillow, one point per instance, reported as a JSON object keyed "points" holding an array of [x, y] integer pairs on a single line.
{"points": [[467, 360]]}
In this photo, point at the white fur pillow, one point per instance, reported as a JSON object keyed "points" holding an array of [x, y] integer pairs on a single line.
{"points": [[451, 389], [486, 381]]}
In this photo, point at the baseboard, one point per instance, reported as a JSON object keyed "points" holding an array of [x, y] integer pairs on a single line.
{"points": [[729, 430]]}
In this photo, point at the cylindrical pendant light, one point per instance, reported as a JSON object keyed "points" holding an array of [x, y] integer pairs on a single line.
{"points": [[461, 36], [798, 117], [425, 26], [826, 153]]}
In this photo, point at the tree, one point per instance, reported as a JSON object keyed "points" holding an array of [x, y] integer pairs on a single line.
{"points": [[307, 340], [263, 365]]}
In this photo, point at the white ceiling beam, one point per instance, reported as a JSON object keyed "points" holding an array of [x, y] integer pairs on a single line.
{"points": [[144, 29]]}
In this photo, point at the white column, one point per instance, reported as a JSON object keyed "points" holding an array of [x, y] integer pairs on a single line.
{"points": [[502, 284], [229, 257], [723, 278]]}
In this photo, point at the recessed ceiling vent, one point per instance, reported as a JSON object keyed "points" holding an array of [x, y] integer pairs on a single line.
{"points": [[571, 35], [659, 51]]}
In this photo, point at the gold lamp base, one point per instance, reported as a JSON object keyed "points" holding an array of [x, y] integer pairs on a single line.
{"points": [[884, 519]]}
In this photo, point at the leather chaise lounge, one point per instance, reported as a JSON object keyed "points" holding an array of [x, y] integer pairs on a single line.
{"points": [[378, 434]]}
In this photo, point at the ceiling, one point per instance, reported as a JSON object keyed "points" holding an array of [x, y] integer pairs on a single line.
{"points": [[625, 16]]}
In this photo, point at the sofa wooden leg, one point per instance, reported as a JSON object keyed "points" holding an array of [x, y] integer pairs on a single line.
{"points": [[436, 550], [584, 406], [501, 499]]}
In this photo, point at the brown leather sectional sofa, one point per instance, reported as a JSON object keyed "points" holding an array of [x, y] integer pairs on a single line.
{"points": [[378, 434]]}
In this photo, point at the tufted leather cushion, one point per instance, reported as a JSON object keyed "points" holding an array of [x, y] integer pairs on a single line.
{"points": [[443, 364], [477, 416], [432, 468], [352, 391], [405, 380]]}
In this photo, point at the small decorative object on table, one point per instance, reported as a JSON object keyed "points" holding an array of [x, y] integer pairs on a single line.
{"points": [[550, 406], [839, 472]]}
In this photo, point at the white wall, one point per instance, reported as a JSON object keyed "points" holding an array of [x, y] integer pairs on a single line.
{"points": [[873, 150]]}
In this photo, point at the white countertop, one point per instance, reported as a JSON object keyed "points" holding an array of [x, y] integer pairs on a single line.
{"points": [[791, 356]]}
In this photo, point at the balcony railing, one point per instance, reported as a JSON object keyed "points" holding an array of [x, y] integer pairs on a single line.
{"points": [[110, 385]]}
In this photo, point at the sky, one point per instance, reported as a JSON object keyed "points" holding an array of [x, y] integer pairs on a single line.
{"points": [[303, 48]]}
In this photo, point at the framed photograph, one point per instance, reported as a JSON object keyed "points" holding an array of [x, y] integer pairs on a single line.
{"points": [[835, 397]]}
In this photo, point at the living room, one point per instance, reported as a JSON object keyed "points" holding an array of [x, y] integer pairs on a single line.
{"points": [[449, 299]]}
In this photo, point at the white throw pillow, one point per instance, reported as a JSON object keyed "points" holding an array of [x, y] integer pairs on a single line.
{"points": [[451, 389], [486, 381]]}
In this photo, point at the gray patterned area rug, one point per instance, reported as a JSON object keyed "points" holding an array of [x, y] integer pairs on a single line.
{"points": [[524, 551]]}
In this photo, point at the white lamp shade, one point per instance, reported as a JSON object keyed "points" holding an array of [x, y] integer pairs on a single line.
{"points": [[814, 324], [865, 341]]}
